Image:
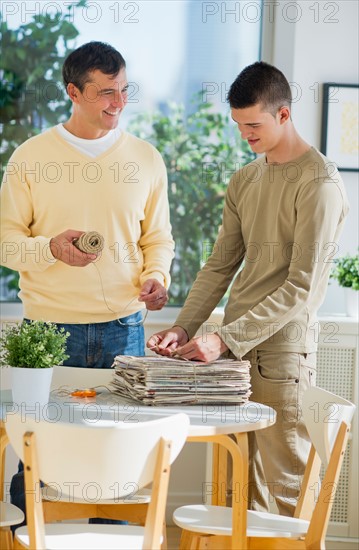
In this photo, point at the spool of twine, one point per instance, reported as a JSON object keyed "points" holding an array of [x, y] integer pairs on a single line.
{"points": [[91, 242]]}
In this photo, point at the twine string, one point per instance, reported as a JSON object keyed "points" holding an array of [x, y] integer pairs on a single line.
{"points": [[175, 355], [93, 242], [195, 382]]}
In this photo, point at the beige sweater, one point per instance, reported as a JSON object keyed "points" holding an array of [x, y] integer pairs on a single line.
{"points": [[49, 187], [281, 224]]}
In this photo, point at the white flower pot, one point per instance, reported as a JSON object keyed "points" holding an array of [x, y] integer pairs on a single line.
{"points": [[31, 387], [352, 302]]}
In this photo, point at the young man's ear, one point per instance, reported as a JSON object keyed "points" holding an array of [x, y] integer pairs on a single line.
{"points": [[284, 114], [72, 92]]}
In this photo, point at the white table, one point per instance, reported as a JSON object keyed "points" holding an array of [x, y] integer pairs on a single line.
{"points": [[224, 425]]}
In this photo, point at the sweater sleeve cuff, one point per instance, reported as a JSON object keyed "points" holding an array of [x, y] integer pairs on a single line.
{"points": [[190, 328], [47, 254], [155, 275], [238, 349]]}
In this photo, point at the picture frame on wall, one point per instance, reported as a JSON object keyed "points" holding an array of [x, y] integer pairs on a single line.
{"points": [[340, 138]]}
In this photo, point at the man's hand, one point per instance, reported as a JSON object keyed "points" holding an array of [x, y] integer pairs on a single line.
{"points": [[167, 341], [203, 349], [63, 249], [153, 294]]}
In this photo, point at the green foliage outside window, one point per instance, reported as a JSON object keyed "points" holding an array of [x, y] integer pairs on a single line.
{"points": [[31, 95], [201, 149]]}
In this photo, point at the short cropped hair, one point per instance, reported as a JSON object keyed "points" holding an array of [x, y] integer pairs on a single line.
{"points": [[91, 57], [260, 83]]}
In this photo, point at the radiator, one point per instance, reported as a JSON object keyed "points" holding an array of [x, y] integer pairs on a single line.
{"points": [[337, 372]]}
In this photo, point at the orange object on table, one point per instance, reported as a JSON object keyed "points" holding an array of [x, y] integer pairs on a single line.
{"points": [[84, 393]]}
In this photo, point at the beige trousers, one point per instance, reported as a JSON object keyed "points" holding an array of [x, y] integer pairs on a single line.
{"points": [[278, 455]]}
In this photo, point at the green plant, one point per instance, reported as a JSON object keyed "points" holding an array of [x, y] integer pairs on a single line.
{"points": [[33, 344], [201, 151], [32, 97], [346, 271]]}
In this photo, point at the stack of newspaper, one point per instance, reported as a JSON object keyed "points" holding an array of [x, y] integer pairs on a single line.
{"points": [[166, 381]]}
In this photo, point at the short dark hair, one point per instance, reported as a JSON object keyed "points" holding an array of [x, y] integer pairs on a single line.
{"points": [[260, 83], [91, 57]]}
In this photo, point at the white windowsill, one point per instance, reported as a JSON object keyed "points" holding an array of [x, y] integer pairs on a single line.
{"points": [[12, 311]]}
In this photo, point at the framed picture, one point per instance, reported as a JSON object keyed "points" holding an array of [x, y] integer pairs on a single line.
{"points": [[340, 136]]}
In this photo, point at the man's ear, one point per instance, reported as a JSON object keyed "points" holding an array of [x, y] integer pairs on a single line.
{"points": [[73, 92], [284, 114]]}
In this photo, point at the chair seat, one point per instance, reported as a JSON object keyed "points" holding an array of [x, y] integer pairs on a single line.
{"points": [[142, 497], [63, 536], [10, 515], [217, 520]]}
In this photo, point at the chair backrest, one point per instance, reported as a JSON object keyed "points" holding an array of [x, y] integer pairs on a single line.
{"points": [[327, 418], [98, 461], [323, 413], [80, 378]]}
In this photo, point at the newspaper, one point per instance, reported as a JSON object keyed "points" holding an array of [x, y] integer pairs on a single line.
{"points": [[167, 381]]}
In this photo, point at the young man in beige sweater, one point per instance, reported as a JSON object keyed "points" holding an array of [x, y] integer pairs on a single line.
{"points": [[282, 218]]}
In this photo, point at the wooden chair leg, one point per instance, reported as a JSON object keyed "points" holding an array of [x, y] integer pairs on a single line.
{"points": [[6, 541], [199, 541], [204, 542], [189, 541], [18, 545], [164, 534]]}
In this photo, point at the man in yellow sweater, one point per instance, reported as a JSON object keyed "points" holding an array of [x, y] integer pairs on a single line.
{"points": [[85, 175], [82, 176], [282, 218]]}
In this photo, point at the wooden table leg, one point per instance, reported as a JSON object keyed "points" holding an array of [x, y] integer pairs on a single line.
{"points": [[219, 475], [238, 450], [6, 540], [240, 492], [4, 441]]}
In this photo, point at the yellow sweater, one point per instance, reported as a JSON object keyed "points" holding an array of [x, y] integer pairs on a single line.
{"points": [[49, 187], [284, 222]]}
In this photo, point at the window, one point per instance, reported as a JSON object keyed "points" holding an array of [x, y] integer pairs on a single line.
{"points": [[181, 58]]}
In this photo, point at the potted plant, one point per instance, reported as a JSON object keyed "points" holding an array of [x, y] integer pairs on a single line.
{"points": [[346, 272], [32, 348]]}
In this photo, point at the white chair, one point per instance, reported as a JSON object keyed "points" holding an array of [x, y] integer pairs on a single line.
{"points": [[95, 462], [9, 515], [327, 418], [59, 506]]}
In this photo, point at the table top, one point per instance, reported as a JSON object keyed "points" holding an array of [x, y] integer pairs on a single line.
{"points": [[205, 420]]}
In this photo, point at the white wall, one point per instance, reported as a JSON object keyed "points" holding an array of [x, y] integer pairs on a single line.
{"points": [[317, 42]]}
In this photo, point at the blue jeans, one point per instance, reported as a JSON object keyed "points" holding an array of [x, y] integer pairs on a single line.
{"points": [[92, 346], [97, 344]]}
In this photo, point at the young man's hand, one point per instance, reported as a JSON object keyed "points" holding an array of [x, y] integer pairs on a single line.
{"points": [[200, 348], [168, 340], [175, 339]]}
